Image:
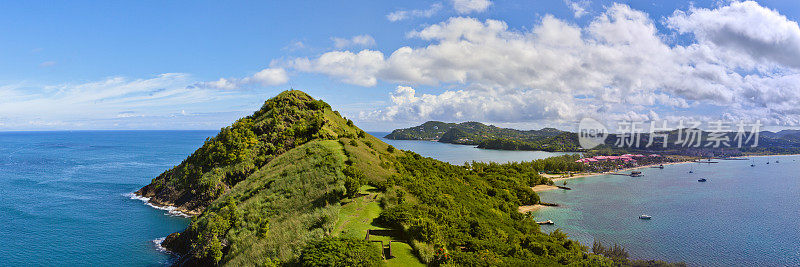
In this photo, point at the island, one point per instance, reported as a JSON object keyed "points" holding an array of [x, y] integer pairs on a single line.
{"points": [[297, 184], [490, 136]]}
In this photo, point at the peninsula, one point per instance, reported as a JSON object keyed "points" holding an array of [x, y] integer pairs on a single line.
{"points": [[297, 184]]}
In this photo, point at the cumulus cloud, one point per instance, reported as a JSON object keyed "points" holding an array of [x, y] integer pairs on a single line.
{"points": [[469, 6], [617, 64], [364, 40], [268, 77], [355, 68], [746, 27], [460, 105], [265, 77], [416, 13]]}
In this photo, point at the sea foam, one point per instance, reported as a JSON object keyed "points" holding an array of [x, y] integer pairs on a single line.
{"points": [[159, 247], [172, 211]]}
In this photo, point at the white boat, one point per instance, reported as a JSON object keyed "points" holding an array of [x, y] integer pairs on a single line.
{"points": [[645, 217]]}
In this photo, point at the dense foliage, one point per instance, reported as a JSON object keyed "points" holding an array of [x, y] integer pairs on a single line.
{"points": [[341, 252], [561, 142], [469, 216], [531, 169], [474, 133], [274, 213]]}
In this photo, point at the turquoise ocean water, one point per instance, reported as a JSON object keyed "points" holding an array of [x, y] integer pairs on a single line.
{"points": [[742, 216], [64, 200]]}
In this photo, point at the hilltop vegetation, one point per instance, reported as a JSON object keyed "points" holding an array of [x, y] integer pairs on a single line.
{"points": [[489, 136], [284, 122], [297, 184], [549, 139]]}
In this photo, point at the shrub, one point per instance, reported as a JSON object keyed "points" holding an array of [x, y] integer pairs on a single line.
{"points": [[353, 143], [390, 149], [333, 251]]}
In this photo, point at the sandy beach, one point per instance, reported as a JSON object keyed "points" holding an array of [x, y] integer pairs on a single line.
{"points": [[526, 209], [556, 177]]}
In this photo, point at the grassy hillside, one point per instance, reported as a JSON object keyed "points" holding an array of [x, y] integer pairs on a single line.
{"points": [[284, 122], [310, 198]]}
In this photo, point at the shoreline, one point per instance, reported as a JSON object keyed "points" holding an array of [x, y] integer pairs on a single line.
{"points": [[171, 210], [540, 188]]}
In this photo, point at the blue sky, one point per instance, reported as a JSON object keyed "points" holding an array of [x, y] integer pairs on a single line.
{"points": [[78, 65]]}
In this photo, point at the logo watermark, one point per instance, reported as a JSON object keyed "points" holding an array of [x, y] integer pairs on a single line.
{"points": [[591, 133], [664, 134]]}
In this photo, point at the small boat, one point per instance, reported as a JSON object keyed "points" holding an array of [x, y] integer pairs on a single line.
{"points": [[767, 162], [645, 217], [702, 180], [636, 174], [691, 171], [546, 222], [777, 161]]}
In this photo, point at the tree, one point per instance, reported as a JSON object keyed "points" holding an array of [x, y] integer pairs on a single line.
{"points": [[334, 251], [354, 179]]}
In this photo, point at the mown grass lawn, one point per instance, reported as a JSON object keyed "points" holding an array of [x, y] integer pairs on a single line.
{"points": [[355, 218]]}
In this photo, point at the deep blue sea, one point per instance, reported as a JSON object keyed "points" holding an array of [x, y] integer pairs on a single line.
{"points": [[62, 196], [742, 216], [64, 200]]}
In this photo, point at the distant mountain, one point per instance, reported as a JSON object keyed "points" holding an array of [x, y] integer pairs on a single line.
{"points": [[550, 139], [489, 136]]}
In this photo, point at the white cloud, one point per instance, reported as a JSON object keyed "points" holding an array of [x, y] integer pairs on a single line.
{"points": [[463, 105], [616, 64], [269, 77], [117, 102], [416, 13], [355, 68], [578, 7], [469, 6], [265, 77], [222, 84], [364, 40], [746, 27]]}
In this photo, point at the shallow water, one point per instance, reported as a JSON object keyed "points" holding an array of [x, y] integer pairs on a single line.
{"points": [[742, 216], [62, 196]]}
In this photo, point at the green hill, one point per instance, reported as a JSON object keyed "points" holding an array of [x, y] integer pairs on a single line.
{"points": [[490, 136], [550, 139], [297, 184]]}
